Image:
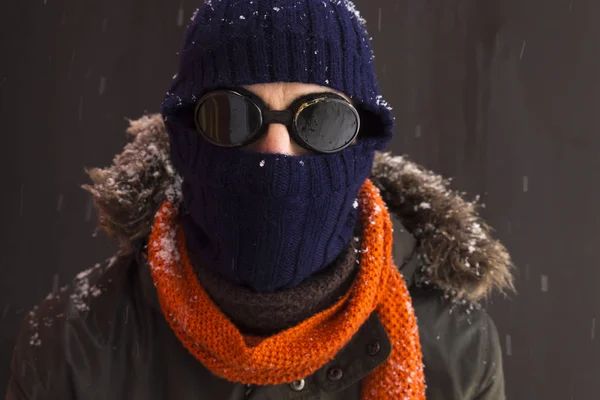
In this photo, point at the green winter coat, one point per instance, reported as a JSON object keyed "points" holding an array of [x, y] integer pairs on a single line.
{"points": [[104, 336]]}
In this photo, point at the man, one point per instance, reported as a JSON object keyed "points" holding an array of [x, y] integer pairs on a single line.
{"points": [[258, 256]]}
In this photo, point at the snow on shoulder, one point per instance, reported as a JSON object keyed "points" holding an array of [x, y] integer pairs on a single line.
{"points": [[71, 301]]}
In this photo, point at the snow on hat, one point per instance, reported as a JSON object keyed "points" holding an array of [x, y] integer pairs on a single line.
{"points": [[232, 43]]}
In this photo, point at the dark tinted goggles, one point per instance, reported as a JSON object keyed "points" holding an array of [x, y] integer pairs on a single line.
{"points": [[323, 122]]}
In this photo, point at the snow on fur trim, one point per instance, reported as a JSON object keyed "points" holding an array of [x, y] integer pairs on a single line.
{"points": [[457, 252]]}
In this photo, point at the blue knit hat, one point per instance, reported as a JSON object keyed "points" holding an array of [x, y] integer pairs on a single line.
{"points": [[241, 42]]}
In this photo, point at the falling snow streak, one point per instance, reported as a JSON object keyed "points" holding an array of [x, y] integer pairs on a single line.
{"points": [[89, 208], [544, 283], [180, 15], [55, 284], [102, 87], [508, 345], [418, 131]]}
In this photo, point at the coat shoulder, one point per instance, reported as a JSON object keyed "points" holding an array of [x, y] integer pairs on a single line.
{"points": [[58, 333], [461, 347]]}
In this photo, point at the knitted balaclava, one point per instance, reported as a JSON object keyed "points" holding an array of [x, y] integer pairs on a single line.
{"points": [[269, 221]]}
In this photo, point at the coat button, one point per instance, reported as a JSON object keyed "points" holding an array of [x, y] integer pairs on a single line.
{"points": [[335, 374], [298, 385], [374, 348]]}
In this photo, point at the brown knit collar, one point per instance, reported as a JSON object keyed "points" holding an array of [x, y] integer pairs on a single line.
{"points": [[269, 313]]}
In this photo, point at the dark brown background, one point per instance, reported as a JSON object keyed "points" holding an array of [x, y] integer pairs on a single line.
{"points": [[502, 95]]}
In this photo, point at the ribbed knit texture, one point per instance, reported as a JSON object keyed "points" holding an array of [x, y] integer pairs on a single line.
{"points": [[301, 350], [231, 43], [265, 314], [268, 221]]}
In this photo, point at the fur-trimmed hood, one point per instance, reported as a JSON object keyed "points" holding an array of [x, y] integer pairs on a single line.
{"points": [[455, 246]]}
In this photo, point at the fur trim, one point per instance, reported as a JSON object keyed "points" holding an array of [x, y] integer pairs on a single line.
{"points": [[457, 252], [129, 192]]}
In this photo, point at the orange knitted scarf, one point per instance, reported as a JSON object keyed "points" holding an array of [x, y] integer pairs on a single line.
{"points": [[299, 351]]}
